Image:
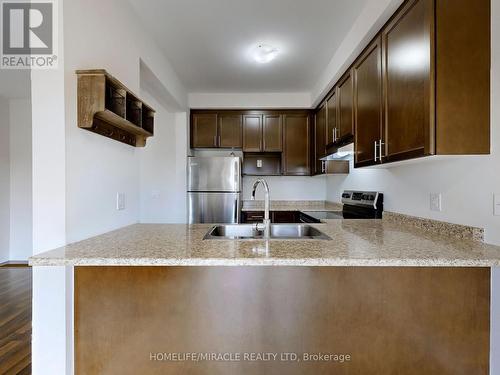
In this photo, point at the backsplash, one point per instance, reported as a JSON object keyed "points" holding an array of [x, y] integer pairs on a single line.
{"points": [[291, 188]]}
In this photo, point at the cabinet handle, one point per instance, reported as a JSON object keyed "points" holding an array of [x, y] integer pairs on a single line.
{"points": [[219, 140], [380, 150], [375, 151], [215, 141], [256, 217], [334, 135]]}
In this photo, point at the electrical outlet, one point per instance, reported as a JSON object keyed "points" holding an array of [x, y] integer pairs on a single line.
{"points": [[155, 194], [120, 201], [436, 202], [259, 163], [496, 204]]}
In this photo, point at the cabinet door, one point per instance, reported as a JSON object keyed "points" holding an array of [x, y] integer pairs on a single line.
{"points": [[204, 130], [320, 138], [368, 105], [250, 217], [230, 133], [345, 107], [331, 118], [285, 217], [296, 143], [407, 50], [272, 133], [252, 133]]}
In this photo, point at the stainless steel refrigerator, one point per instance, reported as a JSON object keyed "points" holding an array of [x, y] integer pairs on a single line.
{"points": [[214, 189]]}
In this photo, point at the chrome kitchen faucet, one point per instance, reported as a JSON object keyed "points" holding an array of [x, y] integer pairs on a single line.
{"points": [[266, 224]]}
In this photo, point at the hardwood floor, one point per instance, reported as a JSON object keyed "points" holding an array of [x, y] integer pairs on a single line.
{"points": [[15, 320]]}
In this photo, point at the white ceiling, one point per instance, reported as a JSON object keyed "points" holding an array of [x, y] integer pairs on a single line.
{"points": [[207, 41]]}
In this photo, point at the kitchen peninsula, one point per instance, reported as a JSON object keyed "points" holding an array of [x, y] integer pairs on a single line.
{"points": [[382, 287], [304, 187]]}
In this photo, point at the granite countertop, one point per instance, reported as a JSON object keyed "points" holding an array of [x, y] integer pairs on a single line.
{"points": [[353, 243], [249, 205]]}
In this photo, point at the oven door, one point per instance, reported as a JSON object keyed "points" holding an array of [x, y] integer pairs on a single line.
{"points": [[357, 212]]}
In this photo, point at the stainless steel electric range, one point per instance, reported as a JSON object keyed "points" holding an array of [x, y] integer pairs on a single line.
{"points": [[356, 205]]}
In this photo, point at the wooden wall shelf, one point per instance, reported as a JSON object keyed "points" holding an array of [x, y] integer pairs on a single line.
{"points": [[109, 108]]}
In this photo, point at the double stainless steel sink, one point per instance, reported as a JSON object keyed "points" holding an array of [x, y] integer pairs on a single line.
{"points": [[277, 232], [264, 230]]}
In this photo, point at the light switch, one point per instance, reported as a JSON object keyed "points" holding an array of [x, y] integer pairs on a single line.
{"points": [[496, 204], [436, 202], [120, 201], [259, 163]]}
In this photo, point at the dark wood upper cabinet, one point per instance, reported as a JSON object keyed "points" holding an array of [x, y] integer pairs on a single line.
{"points": [[463, 66], [345, 107], [252, 133], [296, 151], [331, 118], [367, 71], [408, 50], [272, 133], [262, 132], [320, 138], [230, 130], [204, 130], [421, 87], [261, 136], [216, 130]]}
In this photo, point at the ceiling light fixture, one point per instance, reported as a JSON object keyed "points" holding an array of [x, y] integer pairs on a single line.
{"points": [[265, 53]]}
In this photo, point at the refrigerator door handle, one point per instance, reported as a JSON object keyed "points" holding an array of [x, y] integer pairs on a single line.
{"points": [[236, 211], [237, 175]]}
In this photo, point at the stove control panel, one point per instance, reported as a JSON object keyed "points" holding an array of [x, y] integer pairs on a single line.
{"points": [[363, 198]]}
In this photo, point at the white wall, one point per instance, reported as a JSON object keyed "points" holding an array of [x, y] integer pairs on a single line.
{"points": [[48, 150], [53, 328], [288, 188], [105, 35], [163, 169], [15, 179], [4, 181], [250, 100], [21, 224], [48, 159]]}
